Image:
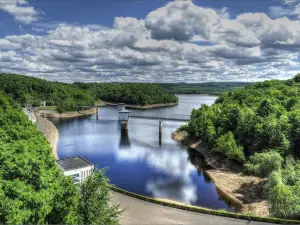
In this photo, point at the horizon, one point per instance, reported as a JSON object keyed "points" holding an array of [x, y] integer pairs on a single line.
{"points": [[143, 41]]}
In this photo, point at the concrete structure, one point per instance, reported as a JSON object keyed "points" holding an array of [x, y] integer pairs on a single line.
{"points": [[124, 118], [43, 103], [121, 106], [76, 167]]}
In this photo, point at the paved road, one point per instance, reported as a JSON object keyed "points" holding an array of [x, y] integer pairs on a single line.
{"points": [[141, 212]]}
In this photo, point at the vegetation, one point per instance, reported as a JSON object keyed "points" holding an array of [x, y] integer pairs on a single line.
{"points": [[259, 127], [130, 93], [94, 201], [66, 97], [212, 88], [32, 188], [29, 90]]}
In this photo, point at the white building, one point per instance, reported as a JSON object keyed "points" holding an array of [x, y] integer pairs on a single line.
{"points": [[76, 167]]}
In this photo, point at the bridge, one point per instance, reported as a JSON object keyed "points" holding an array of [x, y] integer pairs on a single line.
{"points": [[125, 115], [159, 118]]}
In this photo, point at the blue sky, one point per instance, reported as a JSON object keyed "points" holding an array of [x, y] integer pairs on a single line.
{"points": [[150, 40]]}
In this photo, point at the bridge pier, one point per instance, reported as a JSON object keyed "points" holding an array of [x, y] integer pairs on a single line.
{"points": [[97, 113], [160, 132], [124, 124], [123, 116], [160, 126]]}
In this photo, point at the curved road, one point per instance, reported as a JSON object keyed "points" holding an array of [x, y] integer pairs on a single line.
{"points": [[141, 212]]}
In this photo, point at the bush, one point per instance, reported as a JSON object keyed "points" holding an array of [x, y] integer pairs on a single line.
{"points": [[263, 164], [227, 146]]}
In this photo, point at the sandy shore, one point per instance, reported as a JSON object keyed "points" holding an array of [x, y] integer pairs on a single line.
{"points": [[145, 106], [244, 191], [53, 114]]}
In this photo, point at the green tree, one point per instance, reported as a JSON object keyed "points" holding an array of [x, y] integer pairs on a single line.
{"points": [[263, 164], [284, 202], [227, 146], [94, 205]]}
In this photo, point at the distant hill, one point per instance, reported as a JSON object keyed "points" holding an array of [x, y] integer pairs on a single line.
{"points": [[66, 97], [212, 88]]}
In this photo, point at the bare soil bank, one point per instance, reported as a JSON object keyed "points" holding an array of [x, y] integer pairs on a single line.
{"points": [[145, 106], [53, 114], [244, 191]]}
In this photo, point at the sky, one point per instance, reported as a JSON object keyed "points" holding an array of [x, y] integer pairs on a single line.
{"points": [[150, 40]]}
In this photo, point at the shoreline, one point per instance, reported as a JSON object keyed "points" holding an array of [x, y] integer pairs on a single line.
{"points": [[144, 106], [230, 181], [53, 114]]}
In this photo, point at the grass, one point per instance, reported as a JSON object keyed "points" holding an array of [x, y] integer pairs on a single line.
{"points": [[52, 108]]}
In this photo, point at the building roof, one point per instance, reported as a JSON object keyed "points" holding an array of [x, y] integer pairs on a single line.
{"points": [[73, 163]]}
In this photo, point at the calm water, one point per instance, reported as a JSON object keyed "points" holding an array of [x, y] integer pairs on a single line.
{"points": [[136, 161]]}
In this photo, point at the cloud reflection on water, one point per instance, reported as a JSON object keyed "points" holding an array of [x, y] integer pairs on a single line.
{"points": [[170, 161], [178, 189]]}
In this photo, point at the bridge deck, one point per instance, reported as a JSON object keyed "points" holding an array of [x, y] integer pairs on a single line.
{"points": [[159, 118]]}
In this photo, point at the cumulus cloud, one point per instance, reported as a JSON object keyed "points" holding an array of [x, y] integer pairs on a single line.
{"points": [[178, 42], [20, 10], [181, 20]]}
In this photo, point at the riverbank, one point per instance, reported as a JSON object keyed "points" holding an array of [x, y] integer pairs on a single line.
{"points": [[54, 114], [49, 130], [144, 106], [244, 191]]}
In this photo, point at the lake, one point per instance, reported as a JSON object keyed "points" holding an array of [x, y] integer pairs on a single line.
{"points": [[136, 161]]}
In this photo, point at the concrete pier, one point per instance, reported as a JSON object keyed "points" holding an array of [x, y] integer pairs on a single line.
{"points": [[160, 126], [97, 113], [124, 124]]}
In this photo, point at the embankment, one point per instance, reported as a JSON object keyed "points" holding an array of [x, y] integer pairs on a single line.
{"points": [[244, 191], [49, 131]]}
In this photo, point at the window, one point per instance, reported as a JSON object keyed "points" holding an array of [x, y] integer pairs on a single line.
{"points": [[75, 178]]}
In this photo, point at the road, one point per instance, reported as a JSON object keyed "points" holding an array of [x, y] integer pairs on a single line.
{"points": [[141, 212]]}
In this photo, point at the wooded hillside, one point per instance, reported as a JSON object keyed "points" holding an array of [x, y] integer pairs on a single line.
{"points": [[66, 97], [259, 127]]}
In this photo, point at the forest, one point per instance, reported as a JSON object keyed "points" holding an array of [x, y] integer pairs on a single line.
{"points": [[130, 93], [211, 88], [66, 97], [32, 188], [258, 127]]}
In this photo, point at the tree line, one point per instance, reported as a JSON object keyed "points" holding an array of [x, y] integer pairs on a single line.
{"points": [[66, 97], [258, 127], [212, 88], [33, 190], [130, 93]]}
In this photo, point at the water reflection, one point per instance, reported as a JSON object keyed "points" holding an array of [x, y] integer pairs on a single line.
{"points": [[140, 160], [124, 140], [179, 189]]}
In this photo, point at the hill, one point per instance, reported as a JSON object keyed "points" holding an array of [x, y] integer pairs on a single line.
{"points": [[66, 97], [258, 127], [212, 88]]}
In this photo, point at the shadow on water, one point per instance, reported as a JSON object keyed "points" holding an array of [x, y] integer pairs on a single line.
{"points": [[198, 160]]}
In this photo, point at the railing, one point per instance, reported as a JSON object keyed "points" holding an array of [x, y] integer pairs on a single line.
{"points": [[159, 118]]}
